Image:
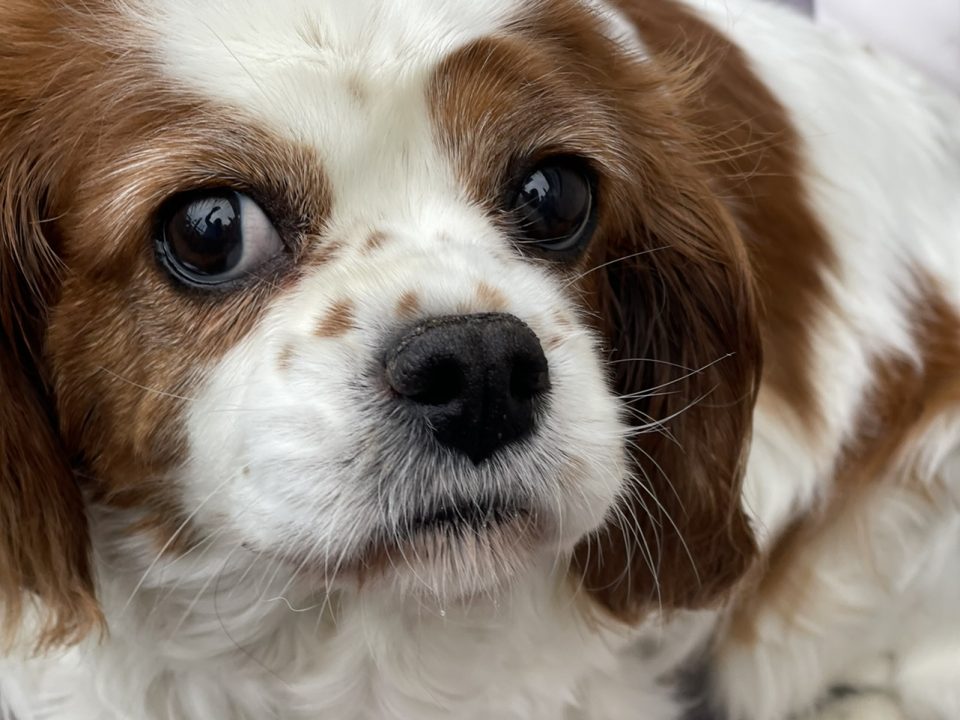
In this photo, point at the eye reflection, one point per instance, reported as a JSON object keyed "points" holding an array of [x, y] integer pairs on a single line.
{"points": [[553, 206], [215, 236]]}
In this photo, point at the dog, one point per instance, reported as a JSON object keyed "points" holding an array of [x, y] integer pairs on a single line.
{"points": [[584, 359]]}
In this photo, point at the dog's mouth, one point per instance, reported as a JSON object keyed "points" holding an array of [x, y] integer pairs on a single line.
{"points": [[448, 550], [474, 517], [457, 544]]}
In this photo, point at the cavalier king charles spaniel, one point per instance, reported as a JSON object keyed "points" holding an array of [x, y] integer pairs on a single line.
{"points": [[474, 359]]}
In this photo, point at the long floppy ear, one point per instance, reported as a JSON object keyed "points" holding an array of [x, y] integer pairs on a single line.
{"points": [[675, 299], [44, 543]]}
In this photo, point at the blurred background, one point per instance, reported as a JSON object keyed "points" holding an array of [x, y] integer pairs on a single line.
{"points": [[925, 33]]}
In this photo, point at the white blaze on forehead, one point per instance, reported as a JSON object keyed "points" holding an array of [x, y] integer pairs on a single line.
{"points": [[248, 51], [346, 77], [226, 46]]}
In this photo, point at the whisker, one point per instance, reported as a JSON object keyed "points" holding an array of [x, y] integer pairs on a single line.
{"points": [[594, 269], [145, 388], [173, 537]]}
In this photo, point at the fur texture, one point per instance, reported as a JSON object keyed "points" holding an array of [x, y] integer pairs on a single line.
{"points": [[748, 461]]}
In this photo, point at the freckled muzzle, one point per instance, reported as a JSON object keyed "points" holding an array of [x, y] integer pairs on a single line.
{"points": [[478, 382]]}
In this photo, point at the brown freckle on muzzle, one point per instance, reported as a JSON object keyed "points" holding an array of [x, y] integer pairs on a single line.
{"points": [[490, 298], [323, 254], [285, 357], [375, 241], [337, 321], [408, 305], [553, 342]]}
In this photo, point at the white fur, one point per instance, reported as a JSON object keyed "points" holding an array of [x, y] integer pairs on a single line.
{"points": [[882, 148], [232, 631], [265, 462], [235, 629], [225, 635]]}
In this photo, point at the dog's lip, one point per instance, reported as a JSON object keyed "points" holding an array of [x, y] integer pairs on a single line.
{"points": [[475, 515], [474, 527]]}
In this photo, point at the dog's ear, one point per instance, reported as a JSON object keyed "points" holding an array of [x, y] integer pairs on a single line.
{"points": [[44, 542], [674, 295]]}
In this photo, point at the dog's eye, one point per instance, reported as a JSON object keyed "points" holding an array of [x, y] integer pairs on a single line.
{"points": [[553, 206], [213, 237]]}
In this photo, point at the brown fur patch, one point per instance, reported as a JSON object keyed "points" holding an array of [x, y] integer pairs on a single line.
{"points": [[490, 298], [906, 396], [668, 274], [337, 321], [43, 535], [374, 241], [285, 357], [408, 305], [101, 348], [322, 252], [753, 155]]}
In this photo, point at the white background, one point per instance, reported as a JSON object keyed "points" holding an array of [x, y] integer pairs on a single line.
{"points": [[926, 33]]}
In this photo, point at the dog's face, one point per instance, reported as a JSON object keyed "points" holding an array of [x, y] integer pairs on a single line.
{"points": [[415, 294]]}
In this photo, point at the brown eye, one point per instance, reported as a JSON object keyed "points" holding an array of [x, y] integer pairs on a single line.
{"points": [[215, 236], [553, 206]]}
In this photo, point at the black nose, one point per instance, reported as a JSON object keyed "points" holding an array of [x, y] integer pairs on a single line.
{"points": [[476, 380]]}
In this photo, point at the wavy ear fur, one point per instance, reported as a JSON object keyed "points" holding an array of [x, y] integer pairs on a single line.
{"points": [[676, 304], [44, 543]]}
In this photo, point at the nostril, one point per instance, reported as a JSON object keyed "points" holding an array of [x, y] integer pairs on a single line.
{"points": [[476, 381], [426, 379], [528, 378], [442, 382]]}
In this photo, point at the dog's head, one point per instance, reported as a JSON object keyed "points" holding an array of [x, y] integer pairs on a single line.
{"points": [[385, 292]]}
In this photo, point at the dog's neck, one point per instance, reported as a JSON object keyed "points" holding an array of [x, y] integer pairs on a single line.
{"points": [[218, 631]]}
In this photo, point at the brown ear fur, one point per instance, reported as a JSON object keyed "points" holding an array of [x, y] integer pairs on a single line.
{"points": [[676, 303], [44, 543]]}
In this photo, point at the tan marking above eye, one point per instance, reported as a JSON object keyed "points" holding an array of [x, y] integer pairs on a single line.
{"points": [[408, 305], [553, 342], [338, 320], [490, 298]]}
